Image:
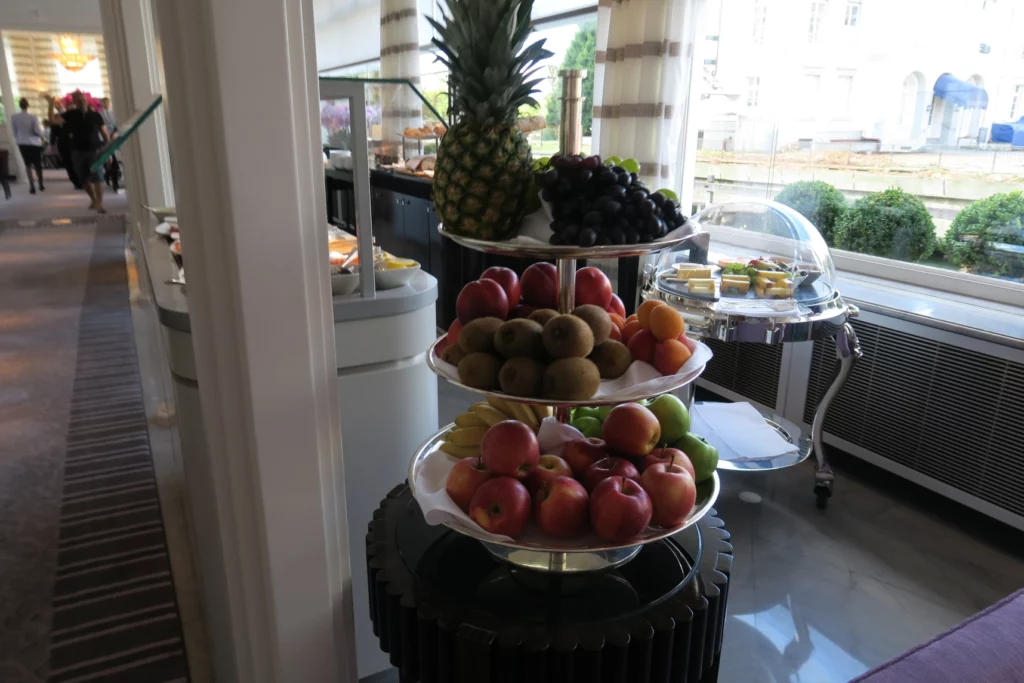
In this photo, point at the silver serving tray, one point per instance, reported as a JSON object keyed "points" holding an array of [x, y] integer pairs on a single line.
{"points": [[433, 360], [589, 553], [539, 250]]}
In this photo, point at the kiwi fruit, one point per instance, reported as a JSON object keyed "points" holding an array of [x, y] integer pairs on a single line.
{"points": [[479, 370], [521, 376], [478, 335], [542, 315], [612, 358], [520, 337], [571, 379], [566, 336], [453, 353], [597, 318]]}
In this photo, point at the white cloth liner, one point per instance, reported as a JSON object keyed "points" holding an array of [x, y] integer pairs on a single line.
{"points": [[738, 431], [639, 381]]}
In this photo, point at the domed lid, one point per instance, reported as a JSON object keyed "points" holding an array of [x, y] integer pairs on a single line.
{"points": [[762, 256]]}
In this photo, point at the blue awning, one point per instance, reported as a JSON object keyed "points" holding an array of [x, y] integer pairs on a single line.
{"points": [[952, 89]]}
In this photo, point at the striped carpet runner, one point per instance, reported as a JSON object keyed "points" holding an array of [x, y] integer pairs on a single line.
{"points": [[115, 618]]}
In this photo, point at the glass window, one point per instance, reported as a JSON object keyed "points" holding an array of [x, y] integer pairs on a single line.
{"points": [[753, 88], [852, 13], [575, 47], [760, 19], [818, 9], [844, 94], [913, 164]]}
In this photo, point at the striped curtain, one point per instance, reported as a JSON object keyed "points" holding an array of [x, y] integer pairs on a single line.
{"points": [[399, 58], [640, 84]]}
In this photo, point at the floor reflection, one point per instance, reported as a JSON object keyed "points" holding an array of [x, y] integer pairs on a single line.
{"points": [[819, 597]]}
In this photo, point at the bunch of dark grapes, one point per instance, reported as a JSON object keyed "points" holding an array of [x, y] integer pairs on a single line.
{"points": [[597, 204]]}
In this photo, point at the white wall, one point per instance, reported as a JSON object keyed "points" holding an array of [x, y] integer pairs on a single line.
{"points": [[81, 16], [348, 37]]}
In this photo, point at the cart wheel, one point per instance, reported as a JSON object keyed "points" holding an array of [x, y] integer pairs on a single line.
{"points": [[822, 494]]}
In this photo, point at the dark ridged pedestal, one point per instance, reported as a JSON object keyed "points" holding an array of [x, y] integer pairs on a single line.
{"points": [[447, 612]]}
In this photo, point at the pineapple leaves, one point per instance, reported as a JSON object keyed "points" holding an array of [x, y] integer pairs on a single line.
{"points": [[481, 42]]}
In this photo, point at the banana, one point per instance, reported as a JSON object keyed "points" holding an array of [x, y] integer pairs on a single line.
{"points": [[542, 411], [502, 406], [460, 451], [469, 420], [488, 413], [523, 413], [467, 436]]}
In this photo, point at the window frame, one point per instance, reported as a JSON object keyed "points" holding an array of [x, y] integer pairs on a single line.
{"points": [[852, 18], [753, 88], [816, 19]]}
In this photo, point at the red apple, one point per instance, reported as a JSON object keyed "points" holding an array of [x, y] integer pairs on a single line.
{"points": [[548, 467], [672, 493], [521, 311], [583, 453], [667, 456], [539, 285], [501, 506], [609, 467], [615, 305], [481, 299], [641, 346], [453, 332], [620, 509], [464, 479], [510, 449], [561, 507], [593, 287], [630, 428], [689, 343], [509, 281]]}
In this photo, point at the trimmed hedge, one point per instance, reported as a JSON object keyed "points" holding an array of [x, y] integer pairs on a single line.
{"points": [[892, 223], [969, 243], [817, 201]]}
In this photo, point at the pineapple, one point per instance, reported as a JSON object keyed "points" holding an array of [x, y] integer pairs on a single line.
{"points": [[483, 173]]}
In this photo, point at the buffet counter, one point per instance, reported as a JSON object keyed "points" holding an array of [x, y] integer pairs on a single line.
{"points": [[382, 380]]}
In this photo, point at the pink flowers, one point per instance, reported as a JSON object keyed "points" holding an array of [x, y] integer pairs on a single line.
{"points": [[69, 101]]}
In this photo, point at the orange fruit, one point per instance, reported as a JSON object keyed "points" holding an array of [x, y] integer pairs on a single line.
{"points": [[617, 320], [669, 356], [665, 323], [631, 318], [643, 314], [631, 328]]}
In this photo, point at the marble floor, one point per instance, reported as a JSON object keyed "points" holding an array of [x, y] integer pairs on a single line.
{"points": [[822, 596]]}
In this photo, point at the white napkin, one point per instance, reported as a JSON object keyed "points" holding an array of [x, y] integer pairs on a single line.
{"points": [[738, 431], [640, 379]]}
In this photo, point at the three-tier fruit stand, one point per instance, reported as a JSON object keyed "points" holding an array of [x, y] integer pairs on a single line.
{"points": [[550, 556]]}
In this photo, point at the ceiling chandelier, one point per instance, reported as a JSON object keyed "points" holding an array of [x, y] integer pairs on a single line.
{"points": [[71, 56]]}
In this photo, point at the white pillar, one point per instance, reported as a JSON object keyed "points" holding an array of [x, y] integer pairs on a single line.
{"points": [[242, 111], [10, 106], [130, 44]]}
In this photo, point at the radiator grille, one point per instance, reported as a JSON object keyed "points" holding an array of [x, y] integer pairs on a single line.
{"points": [[941, 410], [748, 369]]}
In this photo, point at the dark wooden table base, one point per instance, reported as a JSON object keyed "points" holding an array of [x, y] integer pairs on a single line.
{"points": [[447, 612]]}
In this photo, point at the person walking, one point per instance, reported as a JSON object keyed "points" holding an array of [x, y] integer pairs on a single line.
{"points": [[60, 139], [28, 135], [113, 168], [88, 133]]}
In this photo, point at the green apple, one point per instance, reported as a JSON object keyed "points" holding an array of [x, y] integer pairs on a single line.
{"points": [[589, 426], [703, 455], [602, 412], [672, 415], [587, 412], [631, 165]]}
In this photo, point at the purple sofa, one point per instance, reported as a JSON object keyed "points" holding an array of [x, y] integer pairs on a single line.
{"points": [[987, 647]]}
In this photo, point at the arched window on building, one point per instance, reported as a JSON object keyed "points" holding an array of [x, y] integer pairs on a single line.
{"points": [[912, 105]]}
